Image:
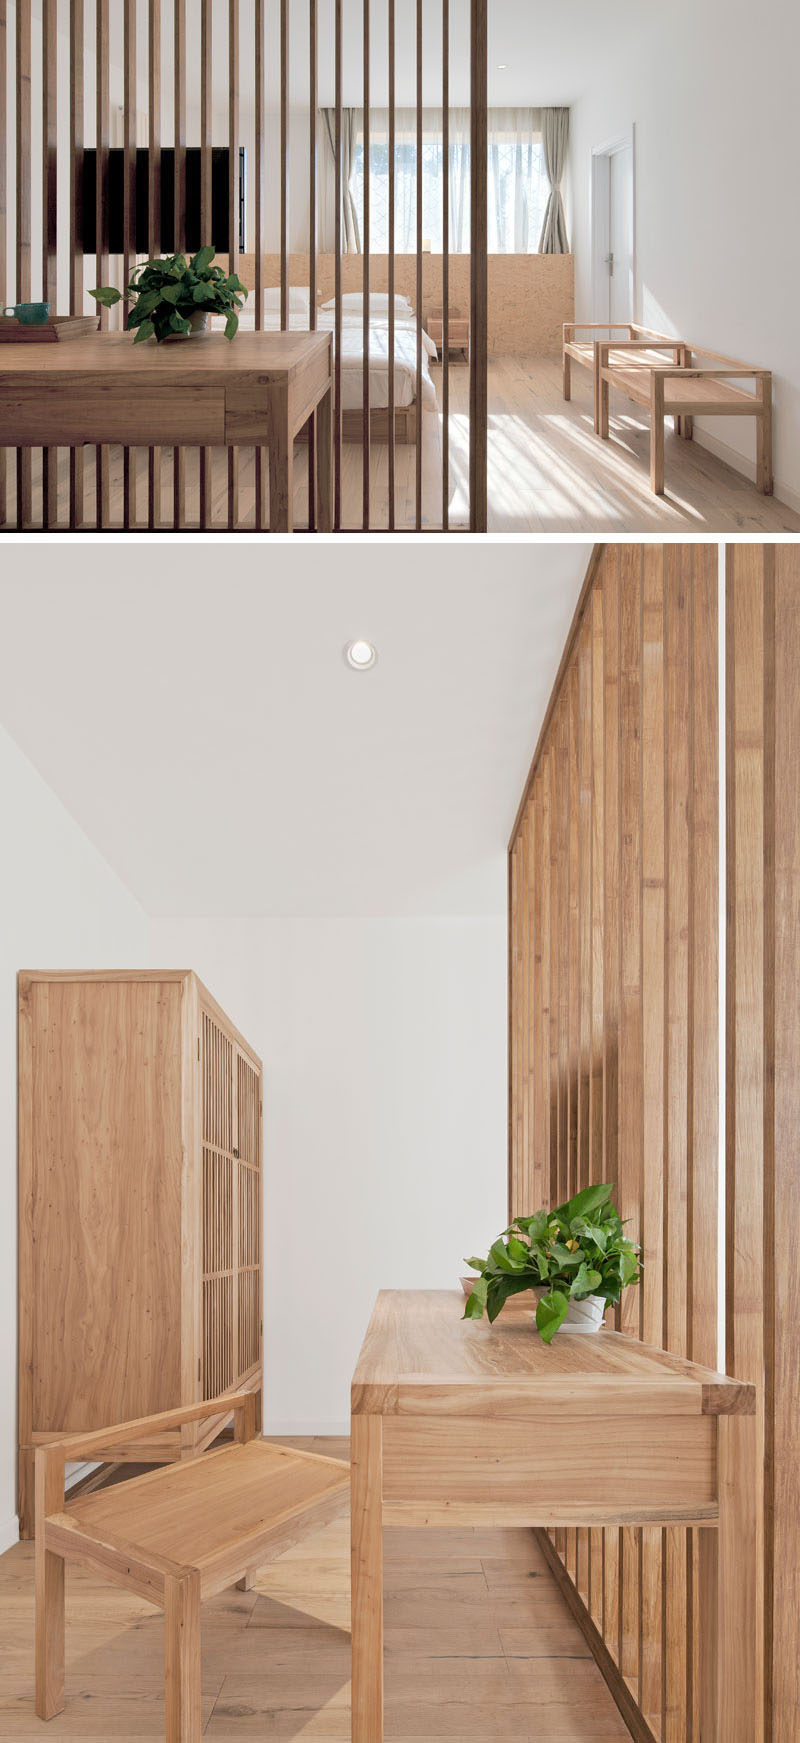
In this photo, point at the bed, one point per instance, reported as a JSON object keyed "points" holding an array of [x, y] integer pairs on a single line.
{"points": [[352, 359]]}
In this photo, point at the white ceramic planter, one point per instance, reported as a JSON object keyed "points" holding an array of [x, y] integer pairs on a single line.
{"points": [[584, 1316]]}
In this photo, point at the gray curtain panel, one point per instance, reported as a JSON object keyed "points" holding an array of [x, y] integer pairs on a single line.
{"points": [[555, 139], [351, 235]]}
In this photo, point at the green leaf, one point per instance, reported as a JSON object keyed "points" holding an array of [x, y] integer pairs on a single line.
{"points": [[107, 295], [518, 1249], [179, 324], [585, 1283], [590, 1232], [145, 331], [231, 325], [499, 1291], [628, 1268], [476, 1302], [583, 1204], [172, 293], [202, 259], [502, 1258], [201, 294], [475, 1264], [550, 1314], [534, 1226]]}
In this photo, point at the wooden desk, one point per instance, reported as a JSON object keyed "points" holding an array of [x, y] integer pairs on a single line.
{"points": [[260, 388], [462, 1423]]}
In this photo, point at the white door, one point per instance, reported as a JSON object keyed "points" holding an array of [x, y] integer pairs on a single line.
{"points": [[620, 235]]}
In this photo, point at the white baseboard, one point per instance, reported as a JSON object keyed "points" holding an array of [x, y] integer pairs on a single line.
{"points": [[9, 1533], [783, 493], [303, 1429]]}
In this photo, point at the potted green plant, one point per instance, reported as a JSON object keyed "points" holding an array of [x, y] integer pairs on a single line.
{"points": [[576, 1259], [174, 297]]}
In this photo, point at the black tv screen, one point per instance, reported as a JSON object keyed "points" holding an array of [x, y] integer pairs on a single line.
{"points": [[220, 216]]}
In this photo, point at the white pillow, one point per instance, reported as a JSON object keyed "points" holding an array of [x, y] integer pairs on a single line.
{"points": [[378, 303], [298, 299]]}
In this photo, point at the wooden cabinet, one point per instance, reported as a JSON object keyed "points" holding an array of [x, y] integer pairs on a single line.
{"points": [[140, 1190]]}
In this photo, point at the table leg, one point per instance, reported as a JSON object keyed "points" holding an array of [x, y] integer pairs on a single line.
{"points": [[764, 436], [281, 479], [49, 1648], [366, 1482], [325, 463], [739, 1714], [184, 1722]]}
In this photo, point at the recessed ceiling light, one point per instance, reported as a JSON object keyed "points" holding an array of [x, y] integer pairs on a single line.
{"points": [[360, 655], [502, 66]]}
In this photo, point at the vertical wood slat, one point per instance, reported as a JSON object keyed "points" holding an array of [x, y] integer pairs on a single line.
{"points": [[50, 220], [128, 220], [629, 882], [445, 266], [762, 1075], [3, 232], [258, 201], [479, 234], [154, 213], [76, 130], [418, 389], [23, 221], [391, 239], [179, 234], [284, 108], [313, 231], [206, 99], [337, 320], [102, 144], [367, 276], [232, 453]]}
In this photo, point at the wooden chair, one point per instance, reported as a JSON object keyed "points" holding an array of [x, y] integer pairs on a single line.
{"points": [[683, 390], [175, 1536], [584, 351]]}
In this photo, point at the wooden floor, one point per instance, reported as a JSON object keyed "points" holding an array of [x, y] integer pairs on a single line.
{"points": [[548, 472], [479, 1644]]}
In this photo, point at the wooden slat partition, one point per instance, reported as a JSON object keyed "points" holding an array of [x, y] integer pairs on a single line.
{"points": [[613, 959], [218, 110], [763, 1074], [3, 230]]}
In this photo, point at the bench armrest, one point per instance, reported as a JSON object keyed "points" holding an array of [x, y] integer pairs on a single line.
{"points": [[92, 1444]]}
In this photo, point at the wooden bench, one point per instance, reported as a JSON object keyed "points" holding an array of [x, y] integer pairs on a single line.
{"points": [[683, 391], [174, 1536], [585, 351]]}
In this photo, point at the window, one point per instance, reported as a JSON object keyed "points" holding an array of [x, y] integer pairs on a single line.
{"points": [[517, 179]]}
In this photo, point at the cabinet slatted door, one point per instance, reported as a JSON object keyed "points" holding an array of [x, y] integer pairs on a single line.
{"points": [[219, 1208], [248, 1108], [231, 1120]]}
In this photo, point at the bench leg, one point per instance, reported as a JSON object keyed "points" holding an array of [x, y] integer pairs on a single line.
{"points": [[657, 435], [184, 1722], [764, 436], [601, 404], [49, 1633], [247, 1581], [567, 373]]}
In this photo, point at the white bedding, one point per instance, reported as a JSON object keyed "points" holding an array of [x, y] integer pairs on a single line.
{"points": [[405, 355]]}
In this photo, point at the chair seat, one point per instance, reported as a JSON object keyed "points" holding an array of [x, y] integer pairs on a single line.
{"points": [[687, 394], [216, 1511]]}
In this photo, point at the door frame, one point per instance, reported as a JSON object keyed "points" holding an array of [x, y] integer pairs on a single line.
{"points": [[598, 220]]}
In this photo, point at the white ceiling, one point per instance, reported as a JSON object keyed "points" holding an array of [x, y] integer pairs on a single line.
{"points": [[191, 707]]}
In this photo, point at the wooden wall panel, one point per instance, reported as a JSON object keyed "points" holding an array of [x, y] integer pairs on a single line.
{"points": [[625, 912], [763, 1073]]}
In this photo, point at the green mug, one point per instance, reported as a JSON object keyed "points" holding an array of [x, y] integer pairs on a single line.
{"points": [[30, 314]]}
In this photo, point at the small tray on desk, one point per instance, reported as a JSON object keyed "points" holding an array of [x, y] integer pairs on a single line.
{"points": [[15, 332]]}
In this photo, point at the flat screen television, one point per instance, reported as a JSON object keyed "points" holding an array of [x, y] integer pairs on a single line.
{"points": [[220, 216]]}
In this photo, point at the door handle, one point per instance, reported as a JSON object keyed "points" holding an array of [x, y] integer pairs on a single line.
{"points": [[610, 265]]}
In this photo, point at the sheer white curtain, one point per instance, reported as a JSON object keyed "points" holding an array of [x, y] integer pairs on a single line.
{"points": [[517, 179]]}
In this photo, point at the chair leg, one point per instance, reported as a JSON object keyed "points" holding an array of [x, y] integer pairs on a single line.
{"points": [[49, 1633], [184, 1722], [567, 370]]}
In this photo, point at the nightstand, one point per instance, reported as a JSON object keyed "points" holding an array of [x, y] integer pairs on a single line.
{"points": [[458, 333]]}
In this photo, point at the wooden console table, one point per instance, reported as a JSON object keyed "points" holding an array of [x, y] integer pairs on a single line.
{"points": [[462, 1423], [175, 1536], [259, 389]]}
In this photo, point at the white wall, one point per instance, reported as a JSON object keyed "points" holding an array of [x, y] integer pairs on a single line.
{"points": [[384, 1054], [62, 907], [712, 92]]}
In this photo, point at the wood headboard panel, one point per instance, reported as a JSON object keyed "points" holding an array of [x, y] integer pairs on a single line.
{"points": [[530, 295]]}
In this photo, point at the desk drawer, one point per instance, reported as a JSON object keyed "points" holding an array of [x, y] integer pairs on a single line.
{"points": [[70, 414], [555, 1470]]}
